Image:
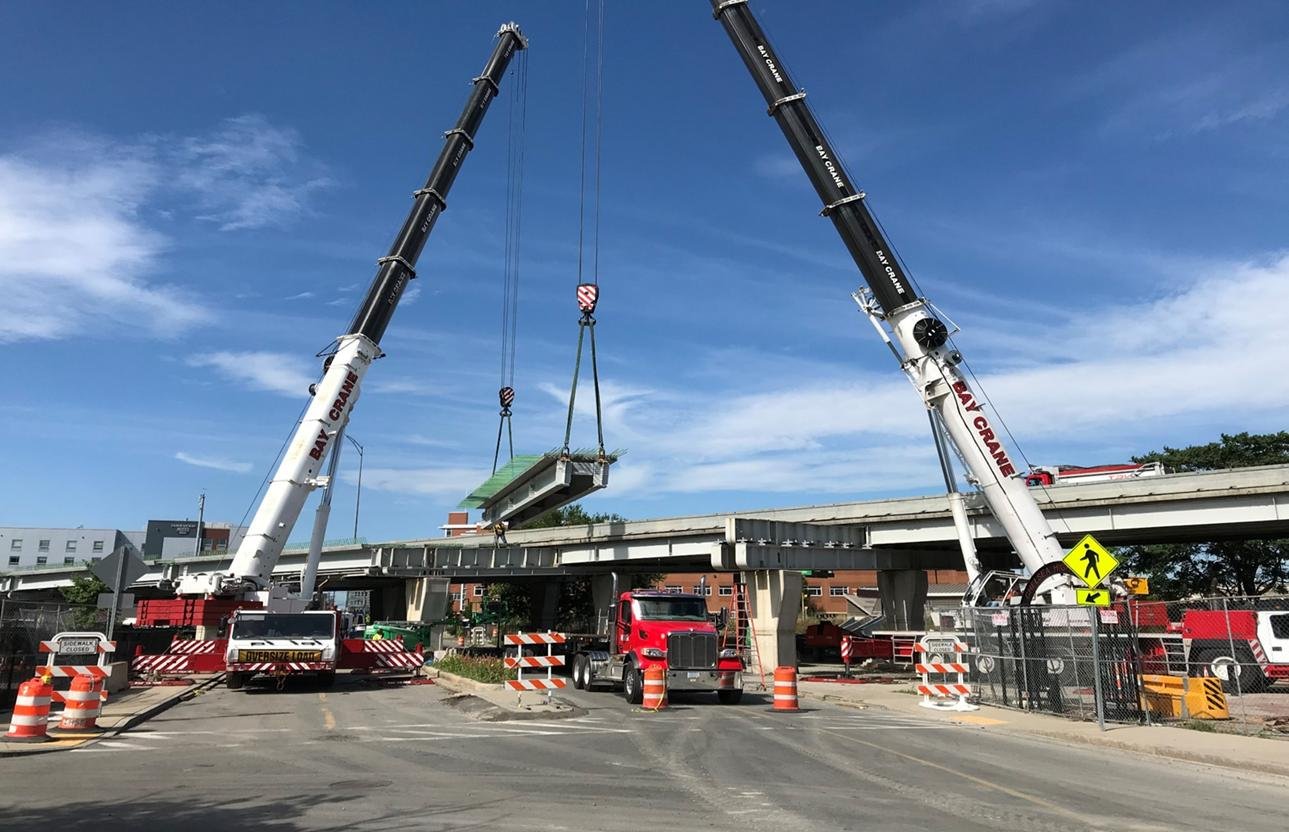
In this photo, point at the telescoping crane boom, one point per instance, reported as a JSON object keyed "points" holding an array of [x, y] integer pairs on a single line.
{"points": [[320, 430], [918, 337]]}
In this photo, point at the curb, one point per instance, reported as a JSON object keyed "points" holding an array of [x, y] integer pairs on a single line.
{"points": [[183, 695], [134, 720], [1238, 764]]}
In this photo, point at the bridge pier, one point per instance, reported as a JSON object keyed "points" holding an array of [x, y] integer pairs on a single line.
{"points": [[774, 596], [545, 603], [903, 596], [427, 599]]}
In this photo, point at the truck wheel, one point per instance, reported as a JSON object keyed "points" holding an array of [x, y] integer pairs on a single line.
{"points": [[1217, 662], [579, 665], [235, 681], [633, 685], [730, 697]]}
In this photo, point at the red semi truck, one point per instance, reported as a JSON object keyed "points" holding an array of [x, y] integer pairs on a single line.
{"points": [[648, 628]]}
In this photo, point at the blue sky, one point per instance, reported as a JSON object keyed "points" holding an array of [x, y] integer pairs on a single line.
{"points": [[192, 198]]}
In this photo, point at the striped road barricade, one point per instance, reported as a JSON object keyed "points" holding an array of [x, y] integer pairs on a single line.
{"points": [[943, 685], [534, 664]]}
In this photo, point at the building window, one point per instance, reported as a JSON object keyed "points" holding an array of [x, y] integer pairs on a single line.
{"points": [[814, 591], [69, 561], [43, 546], [674, 590], [95, 560], [15, 545], [702, 589], [13, 560], [98, 545], [478, 590], [726, 590], [71, 545], [41, 560], [836, 590]]}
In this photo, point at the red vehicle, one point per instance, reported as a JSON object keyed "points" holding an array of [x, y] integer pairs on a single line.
{"points": [[648, 628], [1247, 649], [1070, 474]]}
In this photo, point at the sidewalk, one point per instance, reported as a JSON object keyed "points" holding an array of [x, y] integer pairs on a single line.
{"points": [[122, 711], [1226, 750]]}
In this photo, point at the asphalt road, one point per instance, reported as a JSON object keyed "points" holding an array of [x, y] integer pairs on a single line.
{"points": [[356, 758]]}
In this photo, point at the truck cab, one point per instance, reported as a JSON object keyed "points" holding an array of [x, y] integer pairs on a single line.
{"points": [[282, 644], [648, 628]]}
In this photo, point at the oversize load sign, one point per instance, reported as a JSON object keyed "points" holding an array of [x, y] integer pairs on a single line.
{"points": [[279, 655]]}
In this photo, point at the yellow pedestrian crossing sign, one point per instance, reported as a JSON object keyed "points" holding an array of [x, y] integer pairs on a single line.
{"points": [[1092, 597], [1091, 562]]}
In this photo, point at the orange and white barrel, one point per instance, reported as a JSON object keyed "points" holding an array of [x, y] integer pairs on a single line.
{"points": [[785, 689], [655, 688], [81, 704], [30, 721]]}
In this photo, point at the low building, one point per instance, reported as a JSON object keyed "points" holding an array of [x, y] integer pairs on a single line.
{"points": [[168, 539], [25, 548]]}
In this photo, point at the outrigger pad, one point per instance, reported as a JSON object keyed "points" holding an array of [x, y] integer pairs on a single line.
{"points": [[530, 486]]}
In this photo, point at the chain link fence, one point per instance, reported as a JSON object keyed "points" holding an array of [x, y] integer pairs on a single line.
{"points": [[23, 625], [1211, 663], [1221, 650]]}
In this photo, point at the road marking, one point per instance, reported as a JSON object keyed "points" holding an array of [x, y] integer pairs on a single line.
{"points": [[328, 718]]}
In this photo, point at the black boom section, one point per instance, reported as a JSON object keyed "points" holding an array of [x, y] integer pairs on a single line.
{"points": [[398, 267], [843, 200]]}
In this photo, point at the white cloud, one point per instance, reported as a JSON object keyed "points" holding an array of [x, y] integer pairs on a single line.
{"points": [[411, 295], [301, 296], [1205, 351], [74, 256], [269, 371], [439, 482], [79, 254], [248, 173], [217, 463]]}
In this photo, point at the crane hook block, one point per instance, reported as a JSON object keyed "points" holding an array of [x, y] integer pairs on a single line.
{"points": [[588, 294], [930, 333], [506, 396]]}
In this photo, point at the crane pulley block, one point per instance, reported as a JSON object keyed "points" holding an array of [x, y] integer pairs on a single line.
{"points": [[532, 485]]}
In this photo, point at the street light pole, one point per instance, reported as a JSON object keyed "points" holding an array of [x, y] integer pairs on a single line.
{"points": [[359, 498]]}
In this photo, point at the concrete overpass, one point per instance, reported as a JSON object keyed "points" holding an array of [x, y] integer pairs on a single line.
{"points": [[894, 534]]}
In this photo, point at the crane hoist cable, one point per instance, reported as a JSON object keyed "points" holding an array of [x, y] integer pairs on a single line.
{"points": [[517, 129], [588, 289]]}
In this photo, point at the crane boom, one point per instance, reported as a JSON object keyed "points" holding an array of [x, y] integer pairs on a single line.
{"points": [[920, 338], [336, 393]]}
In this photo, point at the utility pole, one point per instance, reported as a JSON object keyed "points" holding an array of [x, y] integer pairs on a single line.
{"points": [[201, 515], [359, 498]]}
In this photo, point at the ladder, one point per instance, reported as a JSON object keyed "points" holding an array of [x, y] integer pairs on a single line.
{"points": [[743, 637]]}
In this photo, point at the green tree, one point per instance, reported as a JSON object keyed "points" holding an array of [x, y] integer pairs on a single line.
{"points": [[1226, 567], [573, 515], [83, 595]]}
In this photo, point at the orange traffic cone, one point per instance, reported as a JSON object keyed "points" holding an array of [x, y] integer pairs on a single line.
{"points": [[81, 705], [785, 689], [30, 721], [655, 688]]}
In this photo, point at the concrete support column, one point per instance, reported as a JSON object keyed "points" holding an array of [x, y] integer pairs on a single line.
{"points": [[603, 600], [903, 594], [388, 603], [775, 600], [427, 599], [545, 597]]}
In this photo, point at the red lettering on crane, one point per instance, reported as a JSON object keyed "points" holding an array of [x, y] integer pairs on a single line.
{"points": [[987, 436], [319, 445]]}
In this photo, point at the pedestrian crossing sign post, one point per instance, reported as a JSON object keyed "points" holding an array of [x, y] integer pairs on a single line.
{"points": [[1092, 597], [1091, 562]]}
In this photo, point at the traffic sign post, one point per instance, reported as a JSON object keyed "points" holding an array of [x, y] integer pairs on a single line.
{"points": [[118, 570], [1091, 562]]}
